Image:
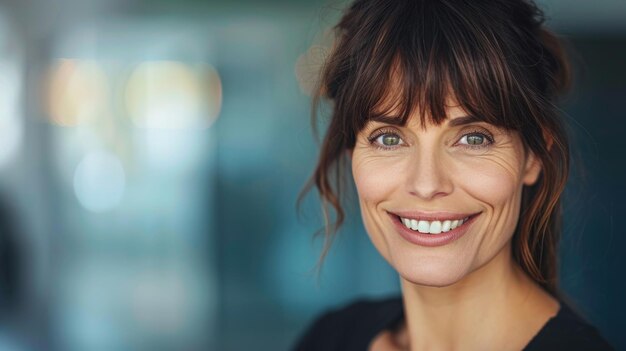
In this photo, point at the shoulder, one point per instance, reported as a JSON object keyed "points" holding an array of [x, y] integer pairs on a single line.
{"points": [[350, 327], [568, 331]]}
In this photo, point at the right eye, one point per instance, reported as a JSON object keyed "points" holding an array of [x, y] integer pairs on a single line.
{"points": [[388, 140]]}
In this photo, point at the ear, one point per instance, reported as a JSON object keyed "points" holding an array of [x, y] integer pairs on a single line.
{"points": [[533, 166], [548, 139], [532, 169]]}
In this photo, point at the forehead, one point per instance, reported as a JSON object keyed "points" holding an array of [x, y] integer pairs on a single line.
{"points": [[401, 101], [405, 92], [392, 109], [407, 97]]}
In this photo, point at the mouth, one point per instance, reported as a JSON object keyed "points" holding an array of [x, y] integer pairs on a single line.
{"points": [[432, 229], [433, 226]]}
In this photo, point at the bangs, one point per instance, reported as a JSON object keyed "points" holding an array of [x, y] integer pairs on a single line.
{"points": [[414, 58]]}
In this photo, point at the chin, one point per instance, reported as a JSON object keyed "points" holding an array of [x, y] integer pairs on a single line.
{"points": [[431, 272]]}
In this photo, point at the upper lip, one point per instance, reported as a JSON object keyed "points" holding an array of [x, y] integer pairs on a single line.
{"points": [[432, 216]]}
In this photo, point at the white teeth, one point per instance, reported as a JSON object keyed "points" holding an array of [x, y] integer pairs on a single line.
{"points": [[423, 226], [446, 226], [434, 227], [454, 224]]}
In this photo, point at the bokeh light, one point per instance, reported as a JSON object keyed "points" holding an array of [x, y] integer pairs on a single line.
{"points": [[11, 126], [76, 92], [99, 181], [173, 95]]}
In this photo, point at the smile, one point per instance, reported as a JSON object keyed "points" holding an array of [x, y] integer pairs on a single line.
{"points": [[432, 227]]}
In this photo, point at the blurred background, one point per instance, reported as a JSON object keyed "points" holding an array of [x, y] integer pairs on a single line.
{"points": [[151, 154]]}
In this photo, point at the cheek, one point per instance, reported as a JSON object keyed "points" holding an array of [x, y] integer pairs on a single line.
{"points": [[375, 178], [493, 186], [497, 186], [495, 180]]}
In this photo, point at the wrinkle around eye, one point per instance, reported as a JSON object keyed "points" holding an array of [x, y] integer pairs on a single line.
{"points": [[368, 151], [507, 156], [375, 159]]}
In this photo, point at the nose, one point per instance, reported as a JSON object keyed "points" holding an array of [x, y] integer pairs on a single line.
{"points": [[428, 177]]}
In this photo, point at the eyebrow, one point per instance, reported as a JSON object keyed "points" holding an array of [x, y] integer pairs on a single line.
{"points": [[463, 120], [387, 119], [454, 122]]}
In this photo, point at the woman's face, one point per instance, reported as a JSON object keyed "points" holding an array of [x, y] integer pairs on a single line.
{"points": [[439, 202]]}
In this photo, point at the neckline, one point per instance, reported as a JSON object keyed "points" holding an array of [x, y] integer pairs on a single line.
{"points": [[397, 317]]}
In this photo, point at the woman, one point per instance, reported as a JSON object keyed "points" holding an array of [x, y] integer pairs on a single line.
{"points": [[445, 111]]}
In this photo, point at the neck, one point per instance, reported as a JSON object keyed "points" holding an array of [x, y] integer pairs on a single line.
{"points": [[482, 310]]}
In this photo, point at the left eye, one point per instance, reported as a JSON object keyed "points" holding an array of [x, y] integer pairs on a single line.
{"points": [[389, 139], [475, 139]]}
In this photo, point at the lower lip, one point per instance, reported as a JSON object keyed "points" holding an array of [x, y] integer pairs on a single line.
{"points": [[431, 240]]}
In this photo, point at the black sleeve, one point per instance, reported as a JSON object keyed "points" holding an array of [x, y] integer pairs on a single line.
{"points": [[569, 332], [340, 329], [584, 338], [311, 339], [349, 328]]}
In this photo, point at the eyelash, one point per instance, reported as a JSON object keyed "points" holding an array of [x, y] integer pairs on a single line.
{"points": [[482, 132], [381, 132], [479, 131]]}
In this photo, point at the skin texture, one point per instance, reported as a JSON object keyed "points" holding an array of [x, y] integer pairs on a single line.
{"points": [[459, 295]]}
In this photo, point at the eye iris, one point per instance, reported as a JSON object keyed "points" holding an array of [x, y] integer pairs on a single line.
{"points": [[475, 139], [390, 140]]}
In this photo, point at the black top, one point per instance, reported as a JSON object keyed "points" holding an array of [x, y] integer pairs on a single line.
{"points": [[354, 327]]}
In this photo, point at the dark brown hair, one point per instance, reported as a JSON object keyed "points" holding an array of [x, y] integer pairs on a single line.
{"points": [[494, 57]]}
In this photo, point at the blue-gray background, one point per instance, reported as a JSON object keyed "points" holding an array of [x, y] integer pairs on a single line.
{"points": [[151, 153]]}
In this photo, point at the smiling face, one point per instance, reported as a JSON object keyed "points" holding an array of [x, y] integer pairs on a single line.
{"points": [[440, 201]]}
